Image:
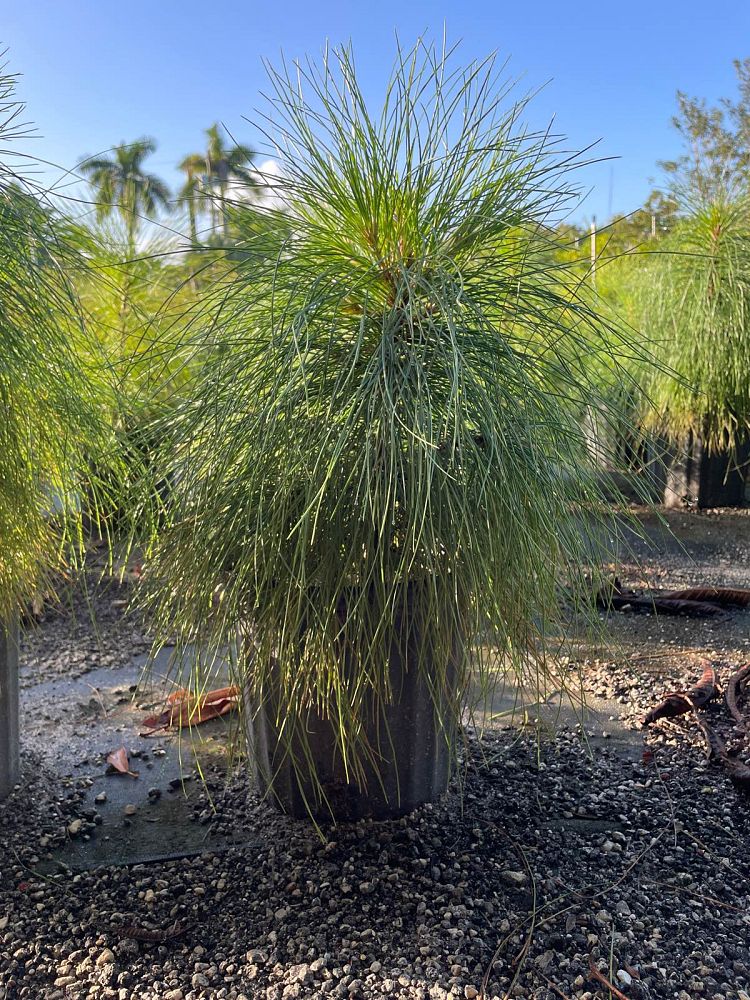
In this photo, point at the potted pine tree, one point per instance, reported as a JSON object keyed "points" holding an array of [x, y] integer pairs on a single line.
{"points": [[693, 302], [50, 420], [380, 477]]}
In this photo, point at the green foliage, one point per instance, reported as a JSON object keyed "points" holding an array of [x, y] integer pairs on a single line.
{"points": [[134, 310], [50, 419], [192, 194], [132, 306], [717, 143], [390, 397], [209, 176], [693, 301]]}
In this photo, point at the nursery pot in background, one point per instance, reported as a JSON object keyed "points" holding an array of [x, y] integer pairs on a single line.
{"points": [[9, 756], [410, 738], [697, 476]]}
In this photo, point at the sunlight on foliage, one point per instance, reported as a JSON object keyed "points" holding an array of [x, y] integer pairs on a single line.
{"points": [[387, 418], [50, 417], [693, 301]]}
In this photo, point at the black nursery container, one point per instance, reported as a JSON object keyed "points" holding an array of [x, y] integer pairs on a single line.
{"points": [[410, 740]]}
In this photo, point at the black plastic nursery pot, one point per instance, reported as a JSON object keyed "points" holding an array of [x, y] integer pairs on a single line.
{"points": [[9, 752], [409, 739], [697, 477]]}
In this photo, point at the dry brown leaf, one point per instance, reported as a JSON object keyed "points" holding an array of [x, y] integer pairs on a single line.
{"points": [[118, 759], [185, 709]]}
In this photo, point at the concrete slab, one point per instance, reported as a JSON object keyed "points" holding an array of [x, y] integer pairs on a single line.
{"points": [[508, 704], [90, 716], [75, 723]]}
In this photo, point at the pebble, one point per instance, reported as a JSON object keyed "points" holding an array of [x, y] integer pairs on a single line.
{"points": [[105, 957], [413, 909]]}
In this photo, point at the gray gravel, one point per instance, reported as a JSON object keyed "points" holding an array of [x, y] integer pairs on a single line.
{"points": [[541, 859], [516, 879], [85, 627]]}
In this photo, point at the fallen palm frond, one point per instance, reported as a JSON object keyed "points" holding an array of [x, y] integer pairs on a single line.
{"points": [[654, 604], [612, 596], [737, 770], [698, 602], [725, 597], [680, 702]]}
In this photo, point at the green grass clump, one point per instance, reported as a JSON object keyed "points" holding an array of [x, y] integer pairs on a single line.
{"points": [[393, 375], [692, 299], [50, 414]]}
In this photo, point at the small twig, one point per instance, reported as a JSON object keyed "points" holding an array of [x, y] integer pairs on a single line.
{"points": [[681, 889], [135, 933], [554, 988], [44, 878], [604, 981], [712, 854], [521, 956], [670, 800], [98, 696], [603, 890], [618, 881]]}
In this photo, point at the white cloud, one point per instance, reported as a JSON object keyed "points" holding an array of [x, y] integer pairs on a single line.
{"points": [[270, 190]]}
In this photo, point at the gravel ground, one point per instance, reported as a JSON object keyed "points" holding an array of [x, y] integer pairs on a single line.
{"points": [[83, 629], [543, 861]]}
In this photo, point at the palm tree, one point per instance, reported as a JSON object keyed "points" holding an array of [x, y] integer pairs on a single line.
{"points": [[224, 163], [120, 184], [192, 192]]}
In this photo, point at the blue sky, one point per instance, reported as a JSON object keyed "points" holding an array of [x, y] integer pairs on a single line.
{"points": [[95, 72]]}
